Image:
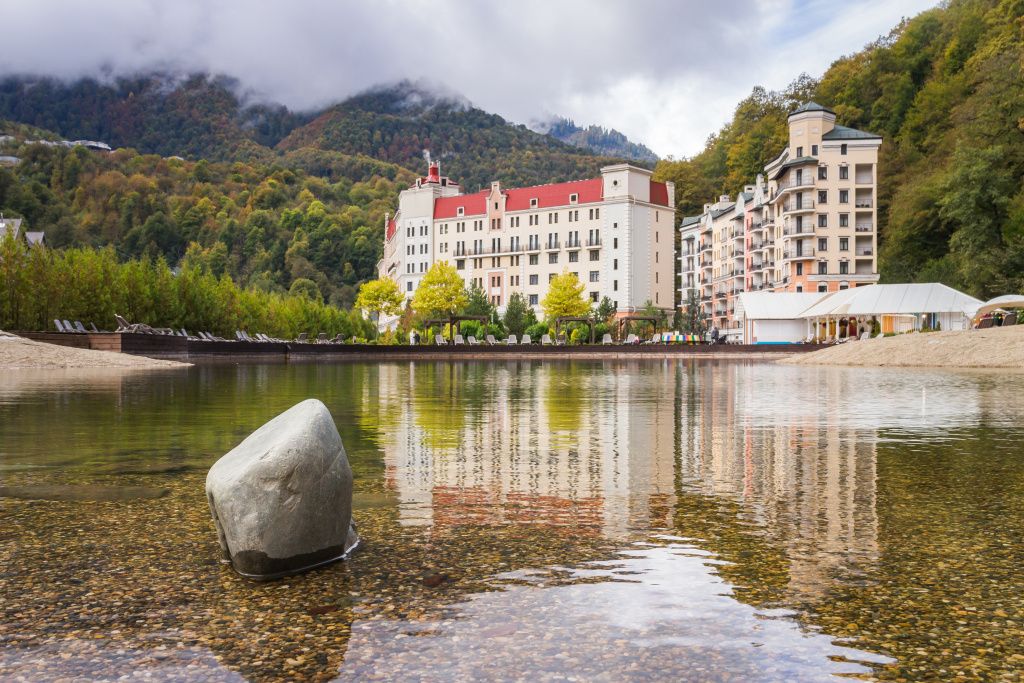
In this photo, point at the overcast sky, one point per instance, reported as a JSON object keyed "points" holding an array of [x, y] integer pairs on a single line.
{"points": [[665, 72]]}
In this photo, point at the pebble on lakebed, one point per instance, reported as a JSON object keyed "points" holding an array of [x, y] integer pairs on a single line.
{"points": [[282, 499]]}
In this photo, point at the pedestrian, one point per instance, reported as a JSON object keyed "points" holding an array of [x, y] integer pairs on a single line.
{"points": [[714, 334]]}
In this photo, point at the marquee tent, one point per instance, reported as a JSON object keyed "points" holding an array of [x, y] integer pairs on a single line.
{"points": [[1005, 302], [774, 317]]}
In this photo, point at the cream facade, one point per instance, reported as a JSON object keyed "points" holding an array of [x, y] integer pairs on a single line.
{"points": [[615, 232], [810, 224]]}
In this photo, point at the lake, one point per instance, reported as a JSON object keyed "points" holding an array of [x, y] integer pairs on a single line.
{"points": [[652, 520]]}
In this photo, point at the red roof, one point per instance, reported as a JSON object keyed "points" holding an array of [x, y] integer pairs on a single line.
{"points": [[659, 193], [390, 231], [473, 204]]}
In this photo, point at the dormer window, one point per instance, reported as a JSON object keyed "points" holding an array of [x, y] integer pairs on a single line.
{"points": [[573, 198], [533, 203], [461, 211]]}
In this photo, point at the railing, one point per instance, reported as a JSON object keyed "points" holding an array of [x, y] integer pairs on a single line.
{"points": [[802, 205], [798, 253], [552, 245], [756, 245], [596, 242], [862, 204], [864, 228], [572, 243], [803, 182], [865, 252], [794, 230], [705, 246], [736, 232]]}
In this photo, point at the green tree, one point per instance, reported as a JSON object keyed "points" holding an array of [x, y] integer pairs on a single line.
{"points": [[605, 309], [565, 297], [477, 302], [517, 315], [380, 297], [693, 321], [441, 293], [306, 288]]}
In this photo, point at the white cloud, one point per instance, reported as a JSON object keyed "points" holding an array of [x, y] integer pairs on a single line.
{"points": [[666, 73]]}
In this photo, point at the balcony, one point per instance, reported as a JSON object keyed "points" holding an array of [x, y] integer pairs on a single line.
{"points": [[863, 205], [805, 181], [798, 207], [552, 245], [805, 253], [533, 246], [866, 252], [596, 242], [736, 232], [796, 230], [705, 246], [864, 227]]}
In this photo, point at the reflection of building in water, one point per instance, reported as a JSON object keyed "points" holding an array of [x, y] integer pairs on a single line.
{"points": [[528, 443], [805, 478]]}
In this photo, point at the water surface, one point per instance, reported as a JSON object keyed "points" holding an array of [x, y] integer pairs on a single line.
{"points": [[657, 520]]}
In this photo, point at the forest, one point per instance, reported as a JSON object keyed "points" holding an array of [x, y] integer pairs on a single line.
{"points": [[945, 91]]}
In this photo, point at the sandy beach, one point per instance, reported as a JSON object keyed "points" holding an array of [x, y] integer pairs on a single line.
{"points": [[991, 348], [17, 352]]}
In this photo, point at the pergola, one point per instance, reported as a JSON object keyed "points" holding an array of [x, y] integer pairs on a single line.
{"points": [[575, 319], [625, 320], [451, 320]]}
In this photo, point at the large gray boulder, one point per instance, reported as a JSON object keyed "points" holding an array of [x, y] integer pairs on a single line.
{"points": [[282, 499]]}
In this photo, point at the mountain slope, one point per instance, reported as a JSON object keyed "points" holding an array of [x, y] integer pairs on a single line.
{"points": [[598, 140], [944, 89]]}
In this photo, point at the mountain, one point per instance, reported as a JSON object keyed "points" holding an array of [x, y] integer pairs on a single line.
{"points": [[398, 123], [598, 140], [944, 90]]}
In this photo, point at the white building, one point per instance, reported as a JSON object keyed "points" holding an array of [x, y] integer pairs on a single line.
{"points": [[615, 232]]}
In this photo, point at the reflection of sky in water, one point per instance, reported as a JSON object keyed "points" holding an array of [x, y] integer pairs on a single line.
{"points": [[657, 612]]}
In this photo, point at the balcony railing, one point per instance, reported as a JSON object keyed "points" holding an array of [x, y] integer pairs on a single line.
{"points": [[865, 252], [862, 227], [802, 205], [805, 181], [596, 242], [863, 204], [796, 230], [807, 252], [552, 245], [705, 246]]}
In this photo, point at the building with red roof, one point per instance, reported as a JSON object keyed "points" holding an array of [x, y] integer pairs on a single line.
{"points": [[615, 232]]}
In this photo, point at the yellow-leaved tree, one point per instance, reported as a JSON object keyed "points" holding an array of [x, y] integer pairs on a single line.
{"points": [[381, 297], [441, 293], [565, 297]]}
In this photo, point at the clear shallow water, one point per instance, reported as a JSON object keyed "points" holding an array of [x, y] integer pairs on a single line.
{"points": [[624, 521]]}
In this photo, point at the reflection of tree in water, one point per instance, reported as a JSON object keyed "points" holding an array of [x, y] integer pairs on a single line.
{"points": [[566, 396]]}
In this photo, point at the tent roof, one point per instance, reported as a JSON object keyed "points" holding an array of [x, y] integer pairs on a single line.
{"points": [[775, 305], [931, 297], [1004, 301]]}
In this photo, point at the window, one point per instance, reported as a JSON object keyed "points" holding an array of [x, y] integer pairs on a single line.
{"points": [[822, 244], [814, 150], [593, 275], [574, 256], [615, 264], [461, 211], [533, 299], [822, 268], [822, 220], [844, 196], [597, 213], [553, 257], [844, 220], [823, 173], [799, 151], [655, 277], [844, 267], [573, 198], [533, 259], [844, 172], [799, 269], [844, 244], [615, 243], [533, 279], [842, 149], [615, 225], [460, 264], [533, 203], [593, 297], [822, 288], [408, 286], [799, 289], [823, 196], [595, 255], [615, 285], [551, 276]]}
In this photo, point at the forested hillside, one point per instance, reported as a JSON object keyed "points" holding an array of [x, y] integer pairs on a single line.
{"points": [[946, 90]]}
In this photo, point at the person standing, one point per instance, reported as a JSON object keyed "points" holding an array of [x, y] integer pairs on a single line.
{"points": [[714, 334]]}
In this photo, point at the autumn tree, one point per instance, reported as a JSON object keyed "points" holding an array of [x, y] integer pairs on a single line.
{"points": [[380, 297], [565, 297], [441, 292]]}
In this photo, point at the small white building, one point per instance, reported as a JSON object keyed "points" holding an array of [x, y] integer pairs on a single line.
{"points": [[774, 317]]}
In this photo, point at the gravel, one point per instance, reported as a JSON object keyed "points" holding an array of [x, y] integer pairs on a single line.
{"points": [[18, 352]]}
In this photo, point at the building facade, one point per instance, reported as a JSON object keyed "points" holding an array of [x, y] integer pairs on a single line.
{"points": [[615, 232], [810, 224]]}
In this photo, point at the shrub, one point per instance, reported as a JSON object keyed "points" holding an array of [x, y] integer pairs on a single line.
{"points": [[537, 330]]}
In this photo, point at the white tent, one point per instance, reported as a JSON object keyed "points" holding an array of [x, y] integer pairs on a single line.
{"points": [[1005, 302], [774, 317], [906, 306]]}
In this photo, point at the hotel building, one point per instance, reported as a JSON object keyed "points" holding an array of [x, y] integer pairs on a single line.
{"points": [[615, 232], [808, 225]]}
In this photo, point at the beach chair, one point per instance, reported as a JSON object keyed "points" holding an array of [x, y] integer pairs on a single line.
{"points": [[439, 340], [79, 327], [632, 339], [512, 340], [68, 326], [59, 325], [321, 338], [545, 340], [472, 341], [986, 323], [1010, 319], [302, 338], [459, 341], [655, 339], [238, 336], [606, 339], [561, 340], [866, 335], [490, 340], [93, 326], [339, 339], [526, 339]]}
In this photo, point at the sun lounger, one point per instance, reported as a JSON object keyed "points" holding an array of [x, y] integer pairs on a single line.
{"points": [[655, 339], [526, 339], [472, 340], [321, 338], [79, 327], [302, 338], [59, 325], [439, 340], [632, 339], [490, 340], [459, 341], [338, 339], [545, 340], [561, 340], [512, 340], [606, 339]]}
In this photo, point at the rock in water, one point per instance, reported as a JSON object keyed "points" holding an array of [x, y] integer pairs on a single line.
{"points": [[282, 499]]}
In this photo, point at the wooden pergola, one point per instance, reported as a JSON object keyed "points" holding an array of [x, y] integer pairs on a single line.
{"points": [[451, 320], [575, 319], [625, 320]]}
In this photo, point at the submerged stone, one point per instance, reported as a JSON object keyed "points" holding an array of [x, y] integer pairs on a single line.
{"points": [[282, 499], [83, 492]]}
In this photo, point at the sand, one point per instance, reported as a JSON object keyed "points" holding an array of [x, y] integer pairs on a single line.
{"points": [[1001, 347], [18, 352]]}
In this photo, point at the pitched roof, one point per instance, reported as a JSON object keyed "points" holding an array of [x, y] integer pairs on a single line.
{"points": [[794, 162], [689, 220], [810, 106], [895, 299], [844, 133]]}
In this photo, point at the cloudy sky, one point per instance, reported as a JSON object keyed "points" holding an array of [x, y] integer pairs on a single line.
{"points": [[665, 72]]}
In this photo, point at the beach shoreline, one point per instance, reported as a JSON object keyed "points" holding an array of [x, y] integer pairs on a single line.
{"points": [[19, 353]]}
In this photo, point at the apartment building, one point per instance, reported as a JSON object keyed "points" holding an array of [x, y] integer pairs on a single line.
{"points": [[615, 232], [809, 224]]}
